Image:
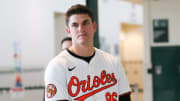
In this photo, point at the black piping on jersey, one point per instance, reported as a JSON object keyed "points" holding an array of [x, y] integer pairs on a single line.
{"points": [[87, 59]]}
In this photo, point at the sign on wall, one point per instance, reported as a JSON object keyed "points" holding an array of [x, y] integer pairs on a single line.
{"points": [[160, 30]]}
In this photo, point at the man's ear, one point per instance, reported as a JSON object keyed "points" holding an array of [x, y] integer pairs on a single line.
{"points": [[95, 26], [68, 31]]}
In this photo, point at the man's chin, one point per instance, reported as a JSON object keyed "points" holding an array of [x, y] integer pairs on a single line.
{"points": [[83, 42]]}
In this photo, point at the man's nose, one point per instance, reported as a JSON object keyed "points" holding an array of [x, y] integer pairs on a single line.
{"points": [[81, 28]]}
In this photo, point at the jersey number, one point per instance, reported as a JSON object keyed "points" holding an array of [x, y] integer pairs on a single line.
{"points": [[111, 97]]}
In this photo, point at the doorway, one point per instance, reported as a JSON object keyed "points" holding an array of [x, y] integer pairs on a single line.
{"points": [[60, 30], [131, 52]]}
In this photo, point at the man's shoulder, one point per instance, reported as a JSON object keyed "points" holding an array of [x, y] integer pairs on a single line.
{"points": [[105, 54], [60, 57], [108, 58], [58, 60]]}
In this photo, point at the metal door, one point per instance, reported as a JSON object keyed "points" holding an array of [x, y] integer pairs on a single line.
{"points": [[166, 73]]}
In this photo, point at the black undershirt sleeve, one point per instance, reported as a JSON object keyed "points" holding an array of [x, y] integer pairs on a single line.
{"points": [[125, 97], [61, 100]]}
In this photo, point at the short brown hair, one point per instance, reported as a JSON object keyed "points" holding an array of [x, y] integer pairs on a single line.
{"points": [[66, 39], [78, 9]]}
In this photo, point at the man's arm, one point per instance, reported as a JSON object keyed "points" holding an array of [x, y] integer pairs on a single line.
{"points": [[55, 82]]}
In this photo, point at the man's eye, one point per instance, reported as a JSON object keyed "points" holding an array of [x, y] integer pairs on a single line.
{"points": [[86, 23], [75, 25]]}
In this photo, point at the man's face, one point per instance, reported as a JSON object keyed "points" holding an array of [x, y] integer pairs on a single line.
{"points": [[81, 29]]}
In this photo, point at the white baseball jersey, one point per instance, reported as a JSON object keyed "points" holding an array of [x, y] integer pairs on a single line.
{"points": [[71, 78]]}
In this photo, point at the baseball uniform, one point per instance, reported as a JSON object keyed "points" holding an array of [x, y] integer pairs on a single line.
{"points": [[70, 78]]}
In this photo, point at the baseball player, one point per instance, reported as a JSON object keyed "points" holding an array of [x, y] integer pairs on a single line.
{"points": [[66, 43], [83, 72]]}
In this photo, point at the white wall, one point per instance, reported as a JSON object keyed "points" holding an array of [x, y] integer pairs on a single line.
{"points": [[60, 30], [111, 14], [63, 5], [32, 23], [147, 58], [155, 9], [168, 9]]}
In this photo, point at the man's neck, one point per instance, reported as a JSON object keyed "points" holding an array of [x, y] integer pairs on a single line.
{"points": [[82, 51]]}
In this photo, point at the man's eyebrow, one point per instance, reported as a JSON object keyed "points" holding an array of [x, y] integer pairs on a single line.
{"points": [[86, 20]]}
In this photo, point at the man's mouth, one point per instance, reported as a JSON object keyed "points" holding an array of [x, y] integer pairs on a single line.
{"points": [[82, 35]]}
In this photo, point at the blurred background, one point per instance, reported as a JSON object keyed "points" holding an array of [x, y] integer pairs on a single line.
{"points": [[143, 34]]}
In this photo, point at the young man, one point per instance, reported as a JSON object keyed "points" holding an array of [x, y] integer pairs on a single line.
{"points": [[66, 43], [83, 72]]}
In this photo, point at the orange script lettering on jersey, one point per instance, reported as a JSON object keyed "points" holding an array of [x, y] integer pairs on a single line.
{"points": [[108, 80]]}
